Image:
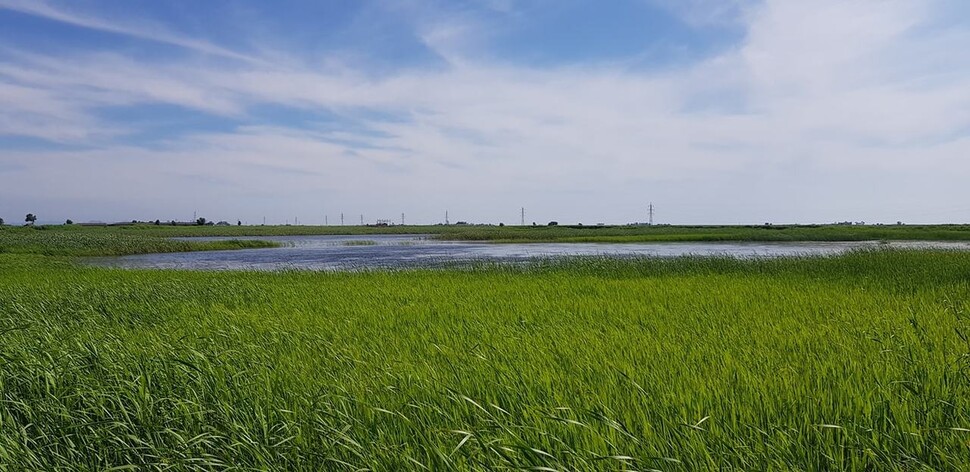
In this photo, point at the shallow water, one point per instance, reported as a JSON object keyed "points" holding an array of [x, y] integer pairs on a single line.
{"points": [[407, 251]]}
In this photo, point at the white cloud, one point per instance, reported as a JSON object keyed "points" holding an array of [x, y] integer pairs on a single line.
{"points": [[827, 102], [707, 13], [142, 30]]}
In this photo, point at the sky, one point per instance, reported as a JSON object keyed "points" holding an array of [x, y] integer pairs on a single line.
{"points": [[715, 111]]}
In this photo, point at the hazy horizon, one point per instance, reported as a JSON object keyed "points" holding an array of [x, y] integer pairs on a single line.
{"points": [[716, 111]]}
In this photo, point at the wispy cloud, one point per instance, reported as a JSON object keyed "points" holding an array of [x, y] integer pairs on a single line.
{"points": [[706, 13], [141, 30], [818, 101]]}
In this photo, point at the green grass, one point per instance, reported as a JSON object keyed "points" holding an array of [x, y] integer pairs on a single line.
{"points": [[189, 231], [612, 234], [359, 242], [857, 362], [631, 234], [75, 241]]}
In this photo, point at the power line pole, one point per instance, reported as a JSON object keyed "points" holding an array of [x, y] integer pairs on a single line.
{"points": [[523, 217], [651, 214], [402, 219], [446, 217], [264, 221], [362, 219], [341, 219], [326, 220]]}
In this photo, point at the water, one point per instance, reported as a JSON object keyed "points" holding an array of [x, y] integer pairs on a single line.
{"points": [[408, 251]]}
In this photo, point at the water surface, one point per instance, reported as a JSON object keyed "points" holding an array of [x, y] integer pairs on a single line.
{"points": [[407, 251]]}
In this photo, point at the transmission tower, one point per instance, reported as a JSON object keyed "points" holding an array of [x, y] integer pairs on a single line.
{"points": [[523, 217]]}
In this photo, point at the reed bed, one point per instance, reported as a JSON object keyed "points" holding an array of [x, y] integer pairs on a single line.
{"points": [[560, 233], [67, 241], [646, 234], [855, 362]]}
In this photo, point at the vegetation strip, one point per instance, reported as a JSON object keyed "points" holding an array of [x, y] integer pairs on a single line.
{"points": [[66, 241], [47, 236], [855, 362]]}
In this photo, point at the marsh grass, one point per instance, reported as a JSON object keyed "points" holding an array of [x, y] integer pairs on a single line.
{"points": [[631, 234], [101, 242], [561, 233], [359, 242], [856, 362]]}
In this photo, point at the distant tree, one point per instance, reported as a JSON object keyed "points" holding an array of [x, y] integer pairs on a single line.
{"points": [[553, 223], [1, 221], [200, 221], [158, 222], [501, 224], [69, 222], [238, 222], [172, 222], [31, 218]]}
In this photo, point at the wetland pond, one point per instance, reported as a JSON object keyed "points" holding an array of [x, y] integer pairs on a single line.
{"points": [[415, 251]]}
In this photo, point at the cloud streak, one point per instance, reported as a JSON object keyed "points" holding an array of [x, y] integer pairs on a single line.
{"points": [[144, 31], [827, 102]]}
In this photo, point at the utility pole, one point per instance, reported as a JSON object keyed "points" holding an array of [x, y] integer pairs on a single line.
{"points": [[402, 219], [446, 217], [523, 217], [194, 216], [341, 219], [296, 221], [326, 220], [651, 214], [264, 221], [362, 219]]}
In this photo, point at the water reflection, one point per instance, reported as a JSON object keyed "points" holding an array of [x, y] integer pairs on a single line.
{"points": [[406, 251]]}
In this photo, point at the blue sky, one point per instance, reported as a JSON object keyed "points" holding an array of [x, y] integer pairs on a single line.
{"points": [[717, 111]]}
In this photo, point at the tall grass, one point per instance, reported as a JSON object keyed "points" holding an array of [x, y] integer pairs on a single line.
{"points": [[627, 234], [616, 234], [856, 362], [58, 241], [359, 242]]}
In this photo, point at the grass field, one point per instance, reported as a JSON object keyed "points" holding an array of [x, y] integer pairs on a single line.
{"points": [[857, 362], [77, 241], [611, 234], [631, 234]]}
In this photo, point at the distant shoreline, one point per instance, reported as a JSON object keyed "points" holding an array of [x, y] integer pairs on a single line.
{"points": [[548, 233]]}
